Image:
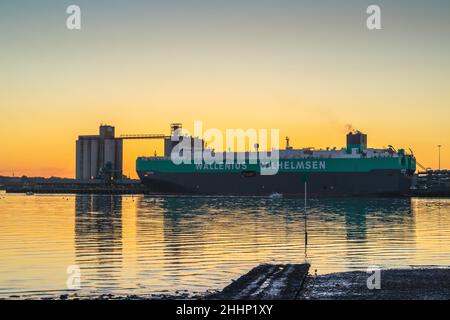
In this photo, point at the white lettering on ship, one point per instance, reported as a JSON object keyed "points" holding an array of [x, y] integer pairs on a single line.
{"points": [[282, 165], [217, 166]]}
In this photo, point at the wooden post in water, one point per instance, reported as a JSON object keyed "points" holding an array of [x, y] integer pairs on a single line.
{"points": [[306, 218]]}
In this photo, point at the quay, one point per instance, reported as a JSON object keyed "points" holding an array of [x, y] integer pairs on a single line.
{"points": [[76, 187], [431, 183], [425, 184], [138, 188]]}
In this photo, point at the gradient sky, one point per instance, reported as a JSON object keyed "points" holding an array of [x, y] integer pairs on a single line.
{"points": [[308, 68]]}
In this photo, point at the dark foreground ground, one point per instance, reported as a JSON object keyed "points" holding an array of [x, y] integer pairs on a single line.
{"points": [[293, 282], [397, 284]]}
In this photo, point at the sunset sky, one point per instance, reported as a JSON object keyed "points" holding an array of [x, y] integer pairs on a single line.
{"points": [[306, 67]]}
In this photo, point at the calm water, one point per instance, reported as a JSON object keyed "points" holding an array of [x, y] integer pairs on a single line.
{"points": [[143, 245]]}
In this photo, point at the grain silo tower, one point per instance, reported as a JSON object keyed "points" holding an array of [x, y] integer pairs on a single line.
{"points": [[99, 156]]}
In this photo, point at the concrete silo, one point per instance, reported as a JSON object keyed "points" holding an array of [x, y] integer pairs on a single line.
{"points": [[94, 157], [86, 159], [99, 154], [110, 151]]}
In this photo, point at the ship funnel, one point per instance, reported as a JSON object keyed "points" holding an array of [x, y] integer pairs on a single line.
{"points": [[356, 140]]}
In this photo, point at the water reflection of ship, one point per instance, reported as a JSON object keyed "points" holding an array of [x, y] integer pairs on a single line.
{"points": [[227, 230], [98, 237], [201, 227], [364, 231]]}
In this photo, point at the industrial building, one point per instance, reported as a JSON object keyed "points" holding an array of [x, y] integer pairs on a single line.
{"points": [[99, 156]]}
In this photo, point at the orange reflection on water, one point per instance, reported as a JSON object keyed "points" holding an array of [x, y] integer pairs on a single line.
{"points": [[144, 245]]}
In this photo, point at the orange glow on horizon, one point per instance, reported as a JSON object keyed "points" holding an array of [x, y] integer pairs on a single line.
{"points": [[57, 156], [140, 67]]}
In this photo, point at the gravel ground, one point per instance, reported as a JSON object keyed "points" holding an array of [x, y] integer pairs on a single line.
{"points": [[398, 284]]}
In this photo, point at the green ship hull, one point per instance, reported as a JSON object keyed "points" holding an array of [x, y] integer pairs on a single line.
{"points": [[323, 177]]}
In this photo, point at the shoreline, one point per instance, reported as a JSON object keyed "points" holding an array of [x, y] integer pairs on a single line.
{"points": [[140, 191], [415, 283]]}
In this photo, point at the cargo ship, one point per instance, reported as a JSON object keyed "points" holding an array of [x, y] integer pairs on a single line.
{"points": [[354, 170]]}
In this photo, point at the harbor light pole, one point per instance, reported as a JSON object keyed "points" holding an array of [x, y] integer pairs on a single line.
{"points": [[439, 151], [306, 218], [439, 173]]}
